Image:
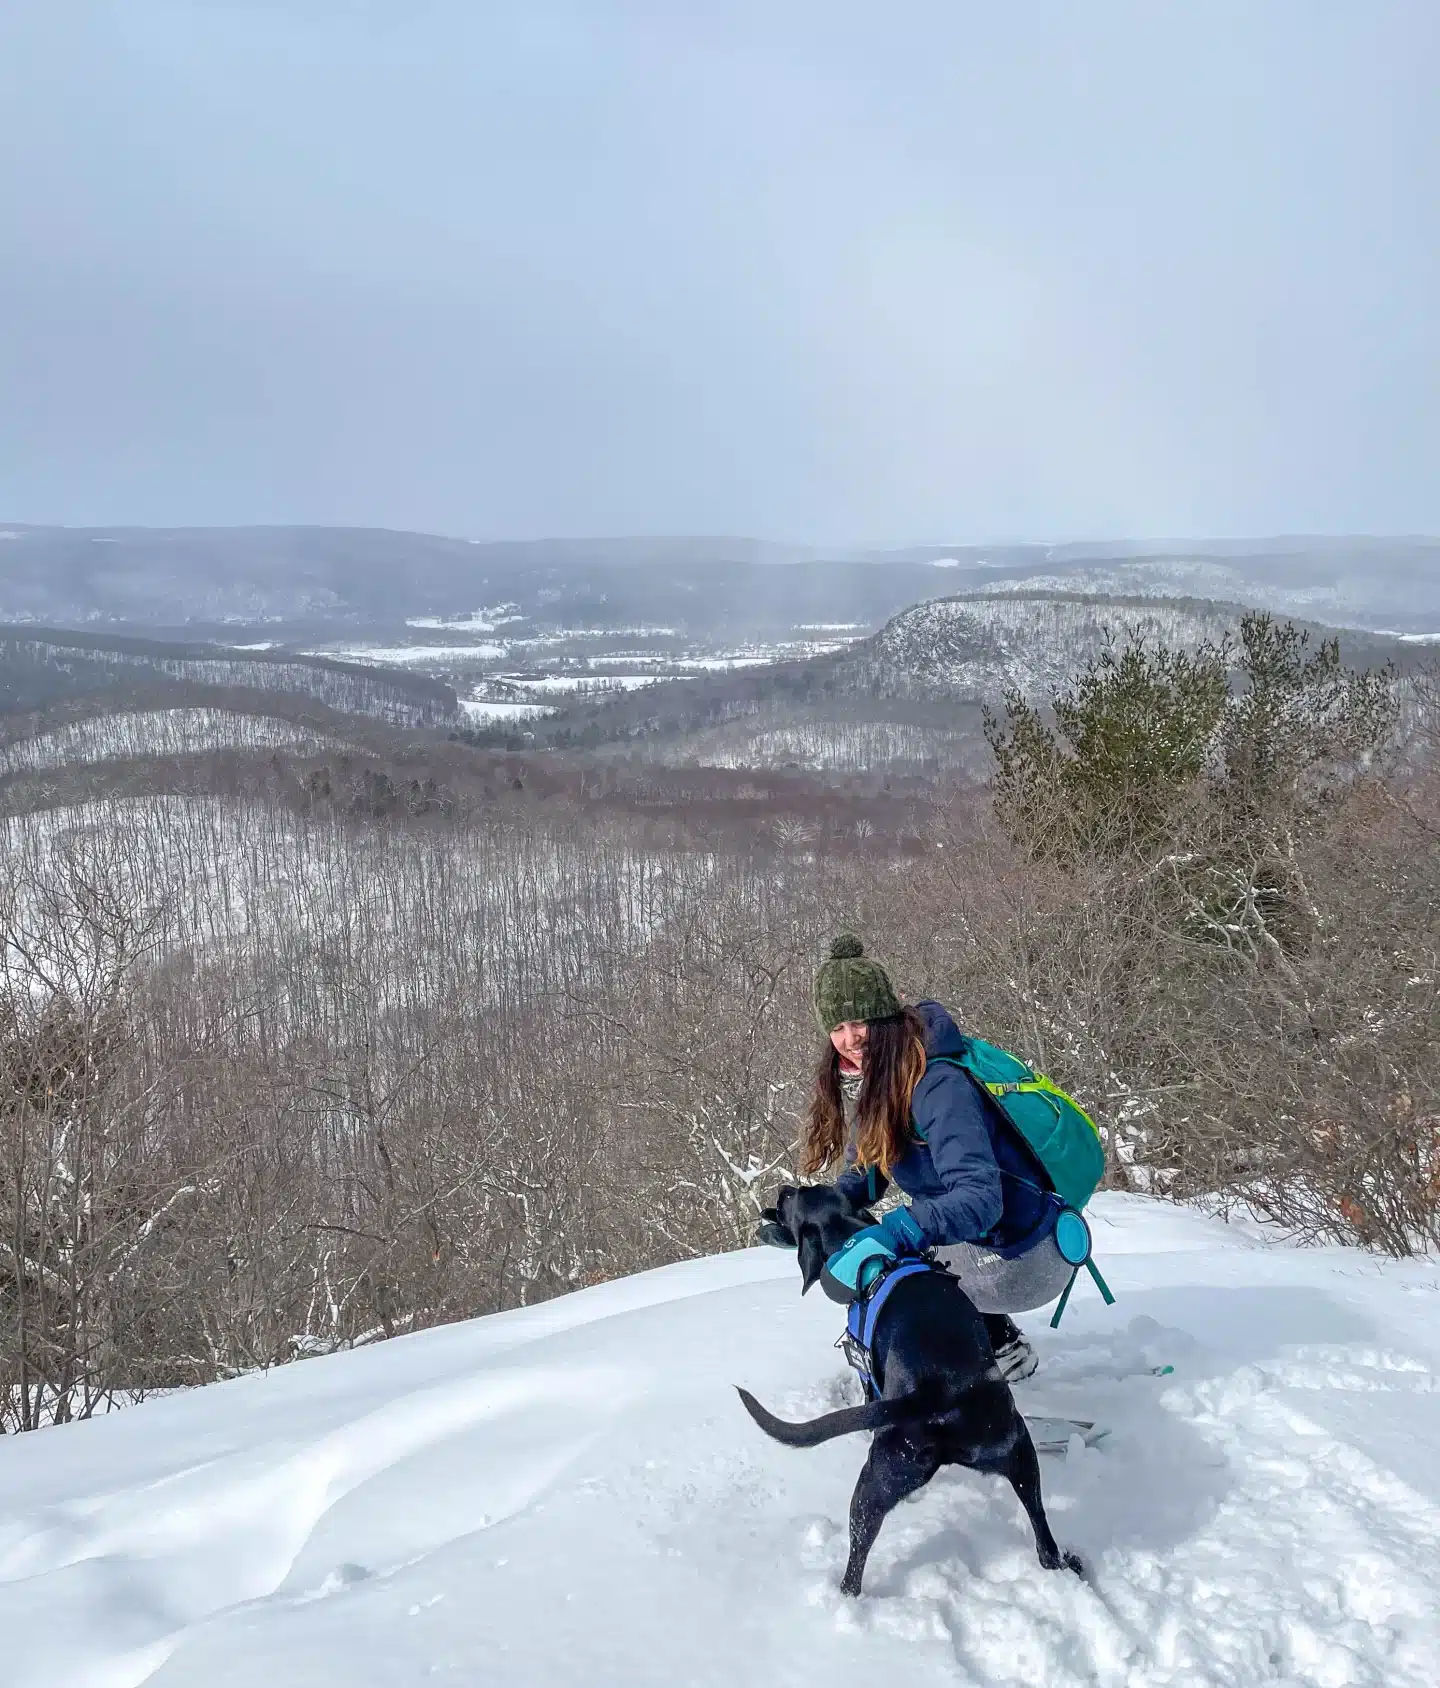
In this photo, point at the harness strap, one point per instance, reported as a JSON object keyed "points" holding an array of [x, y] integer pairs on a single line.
{"points": [[865, 1311]]}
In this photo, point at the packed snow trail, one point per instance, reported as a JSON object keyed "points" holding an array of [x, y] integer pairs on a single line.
{"points": [[573, 1492]]}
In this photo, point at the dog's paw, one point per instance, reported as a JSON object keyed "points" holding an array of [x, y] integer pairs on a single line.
{"points": [[1059, 1560]]}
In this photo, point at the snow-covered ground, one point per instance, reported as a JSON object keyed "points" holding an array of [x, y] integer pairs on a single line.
{"points": [[646, 667], [409, 655], [549, 683], [484, 709], [484, 620], [571, 1493]]}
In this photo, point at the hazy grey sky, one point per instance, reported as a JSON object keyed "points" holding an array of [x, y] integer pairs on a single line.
{"points": [[812, 269]]}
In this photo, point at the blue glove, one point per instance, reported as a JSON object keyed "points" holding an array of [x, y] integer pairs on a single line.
{"points": [[851, 1270], [902, 1231]]}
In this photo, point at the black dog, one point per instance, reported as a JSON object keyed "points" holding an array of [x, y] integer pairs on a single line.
{"points": [[944, 1401]]}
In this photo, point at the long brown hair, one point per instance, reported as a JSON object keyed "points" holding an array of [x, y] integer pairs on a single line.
{"points": [[894, 1064]]}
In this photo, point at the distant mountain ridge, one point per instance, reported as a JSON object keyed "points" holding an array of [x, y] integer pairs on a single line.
{"points": [[213, 577], [196, 578]]}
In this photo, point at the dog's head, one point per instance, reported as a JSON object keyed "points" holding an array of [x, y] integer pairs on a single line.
{"points": [[814, 1220]]}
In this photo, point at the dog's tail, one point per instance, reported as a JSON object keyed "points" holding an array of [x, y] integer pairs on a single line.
{"points": [[874, 1415]]}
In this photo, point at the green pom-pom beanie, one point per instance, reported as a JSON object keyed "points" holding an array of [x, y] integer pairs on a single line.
{"points": [[850, 987]]}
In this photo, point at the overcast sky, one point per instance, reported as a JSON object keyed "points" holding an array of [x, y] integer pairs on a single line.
{"points": [[811, 269]]}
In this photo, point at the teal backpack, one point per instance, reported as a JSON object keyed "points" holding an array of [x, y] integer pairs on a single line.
{"points": [[1060, 1135]]}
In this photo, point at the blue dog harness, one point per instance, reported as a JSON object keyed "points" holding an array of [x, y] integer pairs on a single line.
{"points": [[864, 1311]]}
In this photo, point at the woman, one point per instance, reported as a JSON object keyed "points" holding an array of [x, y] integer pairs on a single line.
{"points": [[896, 1113]]}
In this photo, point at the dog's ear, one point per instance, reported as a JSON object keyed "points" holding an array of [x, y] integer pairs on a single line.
{"points": [[813, 1256]]}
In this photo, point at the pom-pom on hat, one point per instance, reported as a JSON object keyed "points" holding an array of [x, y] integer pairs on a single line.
{"points": [[848, 986]]}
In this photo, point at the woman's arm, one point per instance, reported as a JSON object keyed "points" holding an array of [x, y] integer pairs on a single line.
{"points": [[862, 1187], [951, 1117]]}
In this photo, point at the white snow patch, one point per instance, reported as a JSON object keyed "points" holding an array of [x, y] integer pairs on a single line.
{"points": [[484, 620], [407, 655], [722, 662], [585, 682], [484, 709], [562, 634], [632, 659]]}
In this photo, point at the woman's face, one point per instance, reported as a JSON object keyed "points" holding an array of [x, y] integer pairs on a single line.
{"points": [[848, 1039]]}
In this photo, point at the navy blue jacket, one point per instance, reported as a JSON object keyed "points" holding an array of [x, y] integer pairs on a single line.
{"points": [[972, 1179]]}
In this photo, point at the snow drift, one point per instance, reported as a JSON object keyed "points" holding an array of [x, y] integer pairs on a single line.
{"points": [[572, 1493]]}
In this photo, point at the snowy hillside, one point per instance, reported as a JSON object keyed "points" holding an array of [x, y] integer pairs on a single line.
{"points": [[160, 732], [571, 1493], [978, 646]]}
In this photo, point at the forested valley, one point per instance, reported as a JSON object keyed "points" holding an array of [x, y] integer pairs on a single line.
{"points": [[320, 1032]]}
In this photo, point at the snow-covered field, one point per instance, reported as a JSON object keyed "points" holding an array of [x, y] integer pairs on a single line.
{"points": [[549, 683], [484, 709], [560, 649], [571, 1493], [484, 620], [410, 656]]}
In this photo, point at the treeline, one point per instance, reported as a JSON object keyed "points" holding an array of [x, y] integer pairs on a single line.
{"points": [[271, 1085], [281, 1076]]}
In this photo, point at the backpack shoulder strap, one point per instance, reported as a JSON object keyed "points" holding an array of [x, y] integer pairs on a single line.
{"points": [[993, 1094]]}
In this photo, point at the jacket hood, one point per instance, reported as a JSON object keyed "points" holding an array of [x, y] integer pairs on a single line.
{"points": [[942, 1035]]}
